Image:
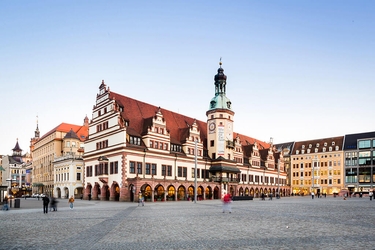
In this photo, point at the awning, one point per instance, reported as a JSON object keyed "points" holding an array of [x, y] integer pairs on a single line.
{"points": [[1, 168], [225, 169]]}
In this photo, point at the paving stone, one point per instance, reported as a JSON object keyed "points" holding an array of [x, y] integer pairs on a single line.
{"points": [[286, 223]]}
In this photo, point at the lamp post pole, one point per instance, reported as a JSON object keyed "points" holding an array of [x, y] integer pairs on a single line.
{"points": [[278, 179], [195, 173]]}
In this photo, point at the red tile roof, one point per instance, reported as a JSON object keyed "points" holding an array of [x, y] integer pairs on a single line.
{"points": [[138, 115], [81, 131]]}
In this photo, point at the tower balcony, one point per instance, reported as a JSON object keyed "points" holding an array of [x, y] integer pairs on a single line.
{"points": [[230, 144]]}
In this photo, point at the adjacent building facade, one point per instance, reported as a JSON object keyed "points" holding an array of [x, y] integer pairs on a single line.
{"points": [[14, 174], [317, 166], [136, 147], [48, 148], [68, 168], [359, 162]]}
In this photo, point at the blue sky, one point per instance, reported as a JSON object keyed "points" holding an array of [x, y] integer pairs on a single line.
{"points": [[297, 70]]}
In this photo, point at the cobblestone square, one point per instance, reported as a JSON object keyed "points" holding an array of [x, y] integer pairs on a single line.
{"points": [[286, 223]]}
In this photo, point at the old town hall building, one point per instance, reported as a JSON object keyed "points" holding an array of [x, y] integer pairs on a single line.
{"points": [[137, 147]]}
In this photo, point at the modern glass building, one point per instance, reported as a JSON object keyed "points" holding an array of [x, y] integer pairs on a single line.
{"points": [[359, 150]]}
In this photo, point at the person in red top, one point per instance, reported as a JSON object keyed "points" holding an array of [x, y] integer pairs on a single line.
{"points": [[227, 200]]}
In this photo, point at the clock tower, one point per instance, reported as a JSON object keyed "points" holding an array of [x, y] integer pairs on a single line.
{"points": [[220, 120]]}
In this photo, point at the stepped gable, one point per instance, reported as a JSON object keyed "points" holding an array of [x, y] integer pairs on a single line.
{"points": [[139, 115]]}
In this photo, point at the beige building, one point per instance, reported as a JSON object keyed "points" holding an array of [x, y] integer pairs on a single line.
{"points": [[317, 166], [49, 147], [68, 168]]}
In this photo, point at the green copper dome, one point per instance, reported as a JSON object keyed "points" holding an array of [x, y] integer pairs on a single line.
{"points": [[220, 101]]}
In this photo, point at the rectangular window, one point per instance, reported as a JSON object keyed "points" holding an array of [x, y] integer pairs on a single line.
{"points": [[351, 175], [78, 176], [182, 172], [364, 175], [212, 143], [88, 173], [132, 167], [116, 167], [179, 173], [96, 170], [169, 170], [153, 166], [148, 168], [139, 167], [205, 174], [364, 158], [364, 144], [163, 170]]}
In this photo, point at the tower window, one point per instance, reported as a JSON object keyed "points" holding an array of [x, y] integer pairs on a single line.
{"points": [[221, 115], [212, 143]]}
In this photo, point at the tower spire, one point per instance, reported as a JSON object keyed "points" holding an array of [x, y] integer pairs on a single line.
{"points": [[37, 132]]}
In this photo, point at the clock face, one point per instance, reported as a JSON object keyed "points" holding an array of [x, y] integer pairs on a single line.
{"points": [[212, 126]]}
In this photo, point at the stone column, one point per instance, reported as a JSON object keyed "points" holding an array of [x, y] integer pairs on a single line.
{"points": [[124, 194]]}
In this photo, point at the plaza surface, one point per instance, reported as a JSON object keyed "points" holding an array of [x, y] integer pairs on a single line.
{"points": [[286, 223]]}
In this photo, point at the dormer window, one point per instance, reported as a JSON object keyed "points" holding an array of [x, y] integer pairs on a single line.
{"points": [[308, 151], [337, 148], [303, 146], [317, 145], [333, 143], [330, 148], [316, 150], [310, 145], [297, 152], [325, 144], [324, 149], [302, 151]]}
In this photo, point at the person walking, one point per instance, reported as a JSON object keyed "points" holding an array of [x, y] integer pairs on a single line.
{"points": [[45, 204], [227, 200], [5, 206], [53, 206], [312, 195], [140, 199], [370, 194], [71, 201]]}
